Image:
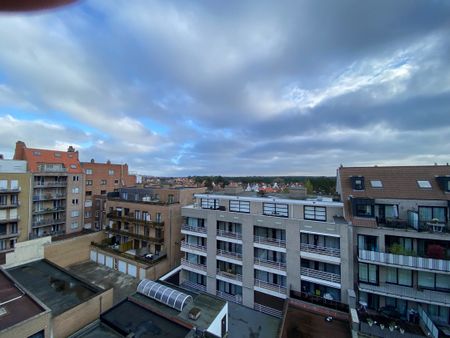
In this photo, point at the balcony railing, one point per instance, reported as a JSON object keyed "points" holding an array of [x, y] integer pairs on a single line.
{"points": [[9, 190], [9, 234], [48, 222], [428, 323], [48, 197], [39, 184], [195, 286], [229, 234], [14, 219], [185, 245], [10, 205], [281, 243], [270, 264], [137, 236], [323, 275], [49, 233], [51, 169], [420, 226], [229, 254], [231, 298], [193, 265], [408, 293], [229, 275], [408, 261], [269, 286], [268, 310], [191, 228], [320, 250], [49, 210], [132, 219]]}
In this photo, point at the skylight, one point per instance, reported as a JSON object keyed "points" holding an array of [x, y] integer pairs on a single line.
{"points": [[424, 184], [376, 184]]}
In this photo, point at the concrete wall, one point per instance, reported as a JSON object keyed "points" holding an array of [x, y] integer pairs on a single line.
{"points": [[79, 316], [25, 252], [73, 250], [29, 327]]}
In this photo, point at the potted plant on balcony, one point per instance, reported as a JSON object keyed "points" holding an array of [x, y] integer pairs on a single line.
{"points": [[391, 326], [370, 321], [402, 330], [382, 326]]}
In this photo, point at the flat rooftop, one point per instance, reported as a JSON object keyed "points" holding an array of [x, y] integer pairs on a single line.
{"points": [[97, 330], [19, 306], [128, 317], [56, 288]]}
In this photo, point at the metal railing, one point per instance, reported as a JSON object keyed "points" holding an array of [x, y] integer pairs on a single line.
{"points": [[428, 323], [229, 254], [49, 210], [48, 222], [268, 310], [281, 243], [193, 265], [270, 264], [320, 250], [9, 190], [47, 169], [185, 245], [10, 219], [48, 197], [269, 286], [10, 234], [323, 275], [38, 184], [194, 286], [202, 230], [229, 275], [132, 219], [10, 205], [228, 234], [229, 297], [402, 260], [138, 236]]}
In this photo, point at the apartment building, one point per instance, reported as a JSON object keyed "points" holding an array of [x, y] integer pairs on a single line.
{"points": [[57, 190], [258, 251], [15, 184], [100, 179], [144, 226], [399, 217]]}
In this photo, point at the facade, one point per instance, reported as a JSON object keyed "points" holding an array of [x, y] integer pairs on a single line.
{"points": [[144, 224], [15, 185], [100, 179], [257, 251], [399, 217], [57, 190]]}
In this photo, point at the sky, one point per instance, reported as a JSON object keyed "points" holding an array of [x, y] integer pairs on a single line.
{"points": [[178, 88]]}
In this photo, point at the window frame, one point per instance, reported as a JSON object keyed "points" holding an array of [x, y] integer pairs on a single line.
{"points": [[240, 207], [277, 208], [314, 217]]}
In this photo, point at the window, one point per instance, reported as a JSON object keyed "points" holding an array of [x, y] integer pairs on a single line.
{"points": [[14, 184], [171, 199], [75, 201], [102, 182], [433, 281], [158, 217], [368, 273], [111, 172], [73, 166], [75, 178], [357, 182], [36, 153], [424, 184], [88, 171], [75, 213], [3, 184], [315, 213], [209, 203], [399, 276], [75, 190], [88, 193], [426, 214], [116, 181], [57, 154], [376, 184], [363, 207], [87, 214], [240, 206], [275, 209], [103, 192], [88, 182], [74, 225]]}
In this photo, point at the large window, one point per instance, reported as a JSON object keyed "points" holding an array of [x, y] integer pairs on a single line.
{"points": [[315, 213], [209, 203], [399, 276], [426, 214], [275, 209], [368, 273], [434, 281], [240, 206]]}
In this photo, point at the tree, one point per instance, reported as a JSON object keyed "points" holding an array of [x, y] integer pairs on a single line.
{"points": [[309, 187]]}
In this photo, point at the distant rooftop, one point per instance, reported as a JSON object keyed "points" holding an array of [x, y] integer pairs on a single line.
{"points": [[13, 166], [17, 304], [53, 286]]}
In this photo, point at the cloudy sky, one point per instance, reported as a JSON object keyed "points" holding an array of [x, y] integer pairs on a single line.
{"points": [[231, 88]]}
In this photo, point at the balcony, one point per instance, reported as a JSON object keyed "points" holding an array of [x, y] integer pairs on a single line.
{"points": [[280, 243], [421, 226], [51, 169], [195, 286], [38, 184], [196, 247], [228, 234], [321, 275], [268, 310], [48, 210], [270, 264], [270, 286], [10, 234], [48, 222], [48, 197], [132, 219], [193, 265], [230, 275], [10, 190], [10, 205], [229, 254], [14, 219], [199, 230], [137, 236], [48, 233], [408, 293], [229, 297], [320, 250], [420, 263]]}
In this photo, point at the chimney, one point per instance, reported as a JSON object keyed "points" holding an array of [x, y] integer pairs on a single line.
{"points": [[71, 149], [92, 160], [19, 153]]}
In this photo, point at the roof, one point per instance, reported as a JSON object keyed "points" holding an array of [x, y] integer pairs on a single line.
{"points": [[19, 305], [53, 286], [399, 182], [35, 157]]}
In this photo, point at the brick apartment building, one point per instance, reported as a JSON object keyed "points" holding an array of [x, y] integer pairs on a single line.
{"points": [[100, 179], [57, 190]]}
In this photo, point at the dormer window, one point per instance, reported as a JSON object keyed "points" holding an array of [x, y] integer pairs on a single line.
{"points": [[376, 184], [36, 153], [57, 155], [444, 183], [424, 184], [358, 182]]}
